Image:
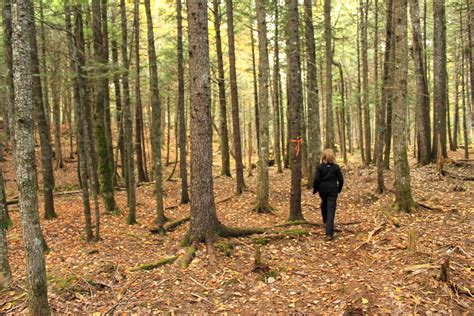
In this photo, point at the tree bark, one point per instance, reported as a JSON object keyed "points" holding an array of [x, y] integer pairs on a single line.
{"points": [[365, 80], [43, 126], [360, 122], [440, 84], [142, 177], [56, 84], [127, 119], [314, 130], [255, 88], [386, 93], [403, 195], [224, 144], [183, 169], [156, 119], [239, 166], [422, 96], [25, 169], [464, 96], [204, 222], [276, 94], [8, 60], [295, 102], [330, 135], [262, 205], [80, 130], [105, 170]]}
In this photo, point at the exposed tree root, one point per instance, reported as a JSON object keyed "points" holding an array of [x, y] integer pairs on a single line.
{"points": [[431, 208], [227, 231], [154, 265], [263, 208], [188, 256]]}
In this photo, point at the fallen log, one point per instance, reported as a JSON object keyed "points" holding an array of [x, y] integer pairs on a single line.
{"points": [[154, 265]]}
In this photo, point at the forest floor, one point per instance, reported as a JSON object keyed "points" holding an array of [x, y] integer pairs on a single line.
{"points": [[367, 268]]}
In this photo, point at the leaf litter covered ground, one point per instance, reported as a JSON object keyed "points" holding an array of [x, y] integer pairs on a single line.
{"points": [[367, 268]]}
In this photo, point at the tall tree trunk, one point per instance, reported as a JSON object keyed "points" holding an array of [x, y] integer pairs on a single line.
{"points": [[262, 205], [328, 39], [456, 129], [403, 196], [276, 93], [470, 58], [44, 81], [77, 86], [225, 157], [255, 89], [376, 79], [43, 126], [142, 177], [25, 169], [341, 116], [156, 119], [239, 166], [295, 102], [105, 171], [360, 125], [365, 80], [108, 119], [7, 56], [204, 222], [183, 169], [314, 130], [118, 100], [56, 82], [127, 120], [386, 93], [439, 85], [464, 96], [422, 96]]}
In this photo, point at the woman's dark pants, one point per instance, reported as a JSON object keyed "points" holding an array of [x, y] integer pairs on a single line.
{"points": [[328, 210]]}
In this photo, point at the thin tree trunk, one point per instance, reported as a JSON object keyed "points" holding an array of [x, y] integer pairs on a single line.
{"points": [[118, 99], [328, 39], [456, 99], [439, 85], [183, 169], [365, 80], [127, 121], [105, 171], [386, 93], [25, 169], [422, 96], [403, 196], [7, 56], [44, 81], [43, 126], [342, 129], [359, 97], [142, 177], [80, 130], [464, 96], [255, 89], [276, 93], [262, 205], [156, 119], [376, 79], [314, 130], [239, 167], [56, 93], [224, 139]]}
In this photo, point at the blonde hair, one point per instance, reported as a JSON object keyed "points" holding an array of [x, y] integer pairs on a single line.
{"points": [[328, 156]]}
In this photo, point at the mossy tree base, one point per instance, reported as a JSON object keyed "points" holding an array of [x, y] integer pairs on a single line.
{"points": [[263, 208]]}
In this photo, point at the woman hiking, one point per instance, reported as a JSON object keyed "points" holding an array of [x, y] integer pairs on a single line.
{"points": [[328, 181]]}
